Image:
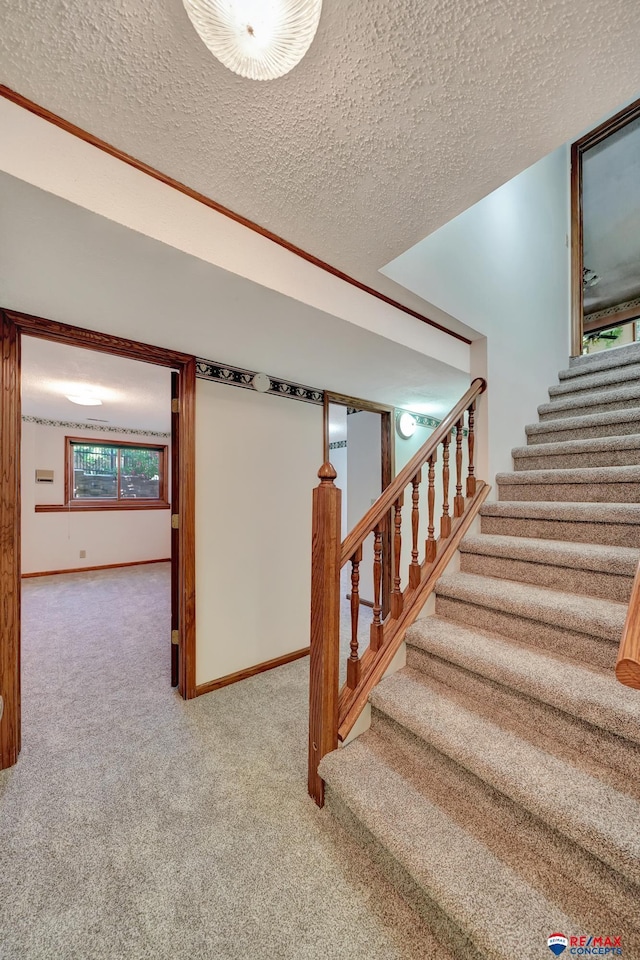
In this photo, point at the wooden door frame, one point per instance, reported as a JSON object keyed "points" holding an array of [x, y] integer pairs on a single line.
{"points": [[600, 133], [12, 326], [387, 468]]}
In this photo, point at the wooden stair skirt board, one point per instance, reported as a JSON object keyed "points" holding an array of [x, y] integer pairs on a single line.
{"points": [[496, 786], [102, 566], [212, 685]]}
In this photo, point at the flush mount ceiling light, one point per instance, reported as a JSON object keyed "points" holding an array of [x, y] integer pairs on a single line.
{"points": [[406, 425], [259, 39]]}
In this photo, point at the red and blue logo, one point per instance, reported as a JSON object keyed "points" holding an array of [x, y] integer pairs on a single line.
{"points": [[557, 943]]}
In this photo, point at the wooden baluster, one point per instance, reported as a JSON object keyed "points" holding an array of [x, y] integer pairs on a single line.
{"points": [[414, 566], [458, 503], [471, 480], [396, 593], [430, 545], [375, 640], [353, 663], [445, 522], [325, 626]]}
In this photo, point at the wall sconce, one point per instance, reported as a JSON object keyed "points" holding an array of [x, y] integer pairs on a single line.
{"points": [[406, 425]]}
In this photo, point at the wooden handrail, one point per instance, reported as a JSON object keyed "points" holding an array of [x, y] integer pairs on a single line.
{"points": [[333, 711], [385, 501], [628, 663]]}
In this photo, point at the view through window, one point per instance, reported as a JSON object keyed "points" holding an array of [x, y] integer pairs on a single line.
{"points": [[115, 471]]}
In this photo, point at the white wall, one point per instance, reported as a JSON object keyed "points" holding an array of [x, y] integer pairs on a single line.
{"points": [[53, 541], [257, 458], [503, 268], [47, 157], [364, 482]]}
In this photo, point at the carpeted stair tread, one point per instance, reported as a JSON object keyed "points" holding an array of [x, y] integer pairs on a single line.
{"points": [[597, 400], [586, 475], [593, 424], [604, 360], [592, 616], [494, 908], [594, 484], [590, 694], [577, 512], [601, 380], [603, 822], [614, 446], [581, 556]]}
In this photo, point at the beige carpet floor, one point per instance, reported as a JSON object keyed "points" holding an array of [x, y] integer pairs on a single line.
{"points": [[136, 825]]}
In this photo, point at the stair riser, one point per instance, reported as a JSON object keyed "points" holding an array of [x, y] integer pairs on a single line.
{"points": [[623, 429], [560, 733], [444, 927], [571, 580], [578, 646], [608, 534], [571, 461], [571, 492], [607, 380], [554, 411]]}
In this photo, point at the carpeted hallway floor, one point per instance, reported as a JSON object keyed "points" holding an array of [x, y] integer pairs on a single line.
{"points": [[136, 825]]}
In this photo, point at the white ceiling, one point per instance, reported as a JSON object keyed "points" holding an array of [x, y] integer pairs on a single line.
{"points": [[134, 395], [60, 261], [401, 115], [611, 218]]}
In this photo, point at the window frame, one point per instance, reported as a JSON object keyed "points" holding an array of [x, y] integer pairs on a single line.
{"points": [[134, 503]]}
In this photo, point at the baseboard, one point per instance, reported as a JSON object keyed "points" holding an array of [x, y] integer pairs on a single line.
{"points": [[104, 566], [250, 671], [364, 603]]}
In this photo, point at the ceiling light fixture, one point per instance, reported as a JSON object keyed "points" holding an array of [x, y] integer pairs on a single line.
{"points": [[406, 425], [259, 39]]}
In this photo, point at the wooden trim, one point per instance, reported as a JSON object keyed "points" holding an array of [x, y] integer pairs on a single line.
{"points": [[628, 662], [353, 703], [13, 325], [344, 400], [187, 530], [10, 435], [102, 566], [212, 685], [145, 168], [96, 506], [578, 148], [129, 503], [576, 251], [94, 340]]}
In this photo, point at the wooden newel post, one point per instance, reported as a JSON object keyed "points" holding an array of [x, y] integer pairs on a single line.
{"points": [[325, 626]]}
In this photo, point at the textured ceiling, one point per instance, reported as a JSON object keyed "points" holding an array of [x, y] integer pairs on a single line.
{"points": [[134, 395], [401, 115]]}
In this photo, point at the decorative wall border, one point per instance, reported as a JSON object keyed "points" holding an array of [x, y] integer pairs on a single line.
{"points": [[254, 380], [337, 444], [97, 427], [612, 311]]}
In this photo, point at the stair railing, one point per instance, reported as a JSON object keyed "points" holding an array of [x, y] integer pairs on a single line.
{"points": [[333, 710], [628, 663]]}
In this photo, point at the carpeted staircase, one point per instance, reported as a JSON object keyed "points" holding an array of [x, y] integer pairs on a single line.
{"points": [[499, 784]]}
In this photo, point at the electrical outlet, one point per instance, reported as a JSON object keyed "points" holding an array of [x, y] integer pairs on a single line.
{"points": [[83, 554]]}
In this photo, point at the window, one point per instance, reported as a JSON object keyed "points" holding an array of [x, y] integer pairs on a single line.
{"points": [[115, 475]]}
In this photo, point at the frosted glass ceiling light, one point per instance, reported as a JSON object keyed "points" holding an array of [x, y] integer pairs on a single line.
{"points": [[259, 39]]}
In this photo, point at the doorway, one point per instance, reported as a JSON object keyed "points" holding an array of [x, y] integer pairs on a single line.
{"points": [[182, 502], [359, 442], [605, 229]]}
